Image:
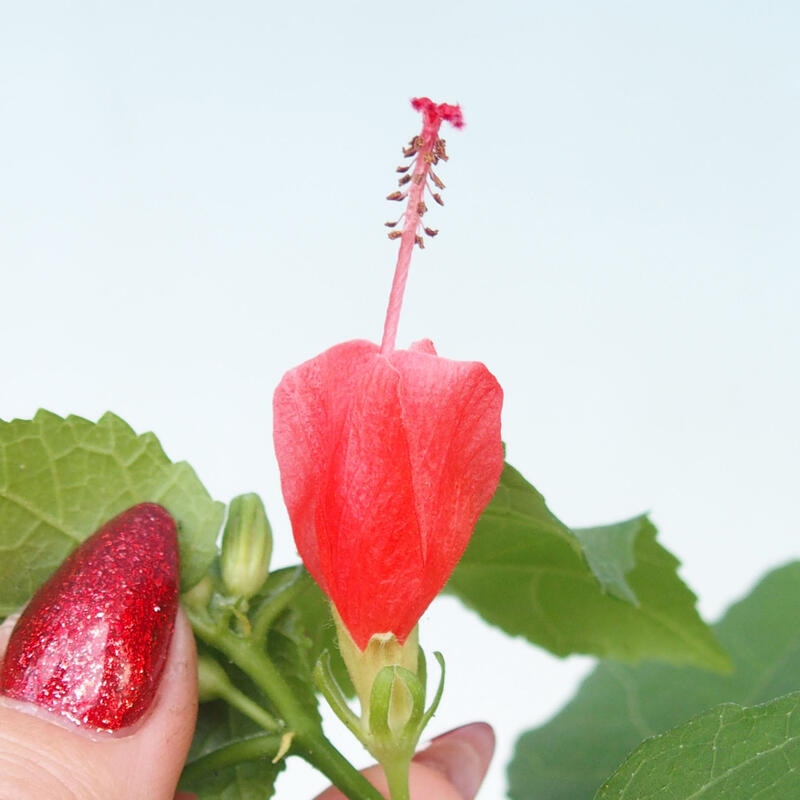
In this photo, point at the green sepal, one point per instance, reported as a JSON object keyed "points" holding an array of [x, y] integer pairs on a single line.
{"points": [[428, 715], [328, 686]]}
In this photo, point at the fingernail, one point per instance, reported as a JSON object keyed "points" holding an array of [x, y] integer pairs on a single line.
{"points": [[462, 756], [92, 643]]}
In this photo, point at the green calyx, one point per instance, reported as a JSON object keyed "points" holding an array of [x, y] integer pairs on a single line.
{"points": [[391, 683]]}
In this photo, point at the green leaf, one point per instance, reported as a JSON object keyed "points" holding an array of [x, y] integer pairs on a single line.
{"points": [[617, 706], [728, 753], [289, 649], [610, 591], [61, 479], [314, 611], [610, 553]]}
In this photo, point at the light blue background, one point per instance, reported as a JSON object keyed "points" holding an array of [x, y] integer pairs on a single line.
{"points": [[191, 202]]}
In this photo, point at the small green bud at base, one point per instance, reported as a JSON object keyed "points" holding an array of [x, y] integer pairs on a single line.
{"points": [[246, 547]]}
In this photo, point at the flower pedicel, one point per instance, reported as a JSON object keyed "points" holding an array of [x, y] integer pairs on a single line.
{"points": [[92, 643]]}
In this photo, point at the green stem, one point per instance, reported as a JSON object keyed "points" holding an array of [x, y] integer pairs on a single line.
{"points": [[396, 771], [240, 701], [309, 739], [265, 745]]}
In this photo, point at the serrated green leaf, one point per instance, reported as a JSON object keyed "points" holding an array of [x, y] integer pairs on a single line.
{"points": [[728, 753], [610, 551], [61, 479], [617, 706], [632, 606]]}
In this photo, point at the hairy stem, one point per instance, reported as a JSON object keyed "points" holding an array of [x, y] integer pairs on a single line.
{"points": [[266, 745], [396, 772]]}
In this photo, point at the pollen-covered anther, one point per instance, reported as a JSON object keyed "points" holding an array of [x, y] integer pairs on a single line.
{"points": [[417, 177], [437, 182], [413, 147], [420, 242], [391, 224], [395, 234]]}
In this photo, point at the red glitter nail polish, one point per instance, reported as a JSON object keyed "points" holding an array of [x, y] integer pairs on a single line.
{"points": [[92, 642]]}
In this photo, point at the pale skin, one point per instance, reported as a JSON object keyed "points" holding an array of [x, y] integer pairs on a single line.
{"points": [[43, 758]]}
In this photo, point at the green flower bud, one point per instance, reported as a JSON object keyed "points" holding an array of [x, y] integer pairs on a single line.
{"points": [[246, 547]]}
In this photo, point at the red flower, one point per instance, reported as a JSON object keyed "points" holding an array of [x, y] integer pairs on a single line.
{"points": [[387, 457]]}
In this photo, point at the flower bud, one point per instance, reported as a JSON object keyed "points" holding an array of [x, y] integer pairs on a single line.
{"points": [[246, 547]]}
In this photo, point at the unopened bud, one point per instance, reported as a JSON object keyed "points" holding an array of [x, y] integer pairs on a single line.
{"points": [[246, 547]]}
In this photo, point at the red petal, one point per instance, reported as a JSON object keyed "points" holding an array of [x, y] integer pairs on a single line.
{"points": [[386, 464]]}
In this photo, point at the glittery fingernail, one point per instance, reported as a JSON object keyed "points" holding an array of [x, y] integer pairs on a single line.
{"points": [[92, 643]]}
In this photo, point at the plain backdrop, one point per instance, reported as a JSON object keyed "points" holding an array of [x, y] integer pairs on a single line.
{"points": [[192, 202]]}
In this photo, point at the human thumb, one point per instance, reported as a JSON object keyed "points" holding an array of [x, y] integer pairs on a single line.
{"points": [[45, 757], [98, 683]]}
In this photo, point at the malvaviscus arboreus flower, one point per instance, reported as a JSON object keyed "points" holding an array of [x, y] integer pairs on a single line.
{"points": [[388, 456]]}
